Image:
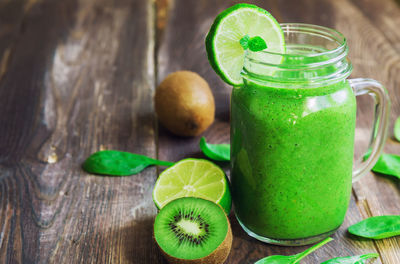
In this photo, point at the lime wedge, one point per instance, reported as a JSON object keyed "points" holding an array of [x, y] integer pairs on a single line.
{"points": [[224, 50], [193, 178]]}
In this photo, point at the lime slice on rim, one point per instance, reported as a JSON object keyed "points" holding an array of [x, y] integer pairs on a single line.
{"points": [[193, 178], [224, 51]]}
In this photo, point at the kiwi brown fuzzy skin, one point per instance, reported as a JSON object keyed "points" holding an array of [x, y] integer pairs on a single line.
{"points": [[218, 256], [184, 103]]}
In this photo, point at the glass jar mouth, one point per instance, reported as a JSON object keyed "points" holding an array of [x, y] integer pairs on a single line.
{"points": [[314, 54], [316, 30]]}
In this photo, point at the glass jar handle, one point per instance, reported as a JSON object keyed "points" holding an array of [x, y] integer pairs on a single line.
{"points": [[381, 121]]}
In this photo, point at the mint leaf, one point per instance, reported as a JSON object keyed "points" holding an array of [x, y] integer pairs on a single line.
{"points": [[244, 42], [254, 44], [257, 44]]}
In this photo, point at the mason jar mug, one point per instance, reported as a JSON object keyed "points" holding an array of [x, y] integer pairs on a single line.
{"points": [[292, 137]]}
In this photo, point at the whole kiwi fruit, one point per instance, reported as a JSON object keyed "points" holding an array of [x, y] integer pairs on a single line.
{"points": [[193, 230], [184, 103]]}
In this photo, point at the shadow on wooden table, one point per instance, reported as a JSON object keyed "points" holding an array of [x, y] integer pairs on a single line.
{"points": [[136, 244], [247, 250], [241, 244]]}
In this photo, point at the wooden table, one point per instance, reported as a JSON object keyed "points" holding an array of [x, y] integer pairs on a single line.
{"points": [[77, 76]]}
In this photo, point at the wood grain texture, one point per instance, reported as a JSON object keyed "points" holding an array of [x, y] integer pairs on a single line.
{"points": [[182, 48], [80, 78]]}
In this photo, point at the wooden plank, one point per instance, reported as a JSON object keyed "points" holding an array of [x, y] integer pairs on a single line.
{"points": [[384, 15], [80, 78], [182, 48]]}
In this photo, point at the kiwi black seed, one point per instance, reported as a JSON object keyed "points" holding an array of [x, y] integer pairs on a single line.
{"points": [[192, 230]]}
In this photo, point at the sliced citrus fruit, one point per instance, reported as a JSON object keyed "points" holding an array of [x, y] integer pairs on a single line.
{"points": [[223, 42], [193, 178]]}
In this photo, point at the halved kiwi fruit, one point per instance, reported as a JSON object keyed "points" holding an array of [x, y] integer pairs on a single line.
{"points": [[192, 230]]}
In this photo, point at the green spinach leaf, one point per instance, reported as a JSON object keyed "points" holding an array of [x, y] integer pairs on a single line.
{"points": [[219, 152], [351, 259], [279, 259], [119, 163], [377, 227], [397, 129], [388, 164]]}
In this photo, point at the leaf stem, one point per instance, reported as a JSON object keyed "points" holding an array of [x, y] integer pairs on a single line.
{"points": [[164, 163], [312, 249]]}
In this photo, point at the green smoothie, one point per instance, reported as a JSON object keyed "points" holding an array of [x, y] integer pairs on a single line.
{"points": [[292, 156]]}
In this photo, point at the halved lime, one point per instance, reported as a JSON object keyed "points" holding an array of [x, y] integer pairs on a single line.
{"points": [[224, 51], [193, 178]]}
